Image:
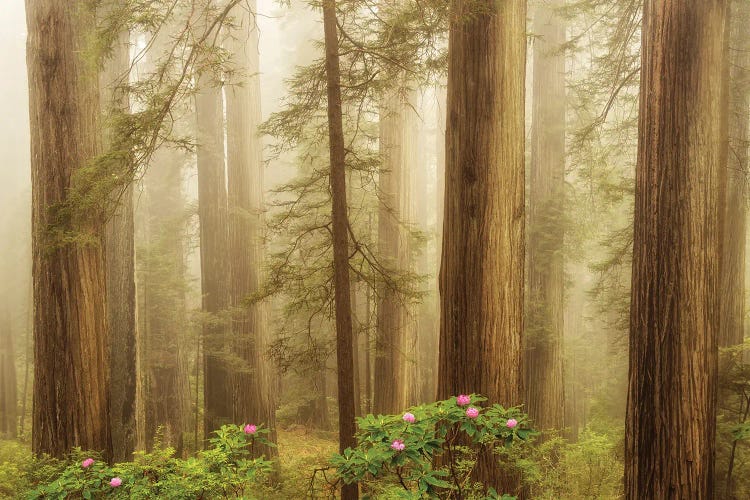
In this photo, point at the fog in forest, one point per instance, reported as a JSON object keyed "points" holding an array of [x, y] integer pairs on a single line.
{"points": [[286, 249]]}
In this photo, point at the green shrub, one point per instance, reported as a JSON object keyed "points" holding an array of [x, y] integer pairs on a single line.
{"points": [[396, 455], [591, 467], [226, 470]]}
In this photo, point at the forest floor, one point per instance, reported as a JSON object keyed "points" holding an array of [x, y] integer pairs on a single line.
{"points": [[302, 452]]}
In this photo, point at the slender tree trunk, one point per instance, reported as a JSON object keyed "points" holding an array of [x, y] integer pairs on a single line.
{"points": [[423, 203], [27, 354], [442, 105], [252, 393], [543, 342], [355, 350], [482, 268], [212, 212], [409, 164], [368, 349], [8, 387], [391, 321], [71, 363], [340, 226], [120, 259], [670, 423], [734, 215]]}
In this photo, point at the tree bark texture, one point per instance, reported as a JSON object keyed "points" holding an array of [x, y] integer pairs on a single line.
{"points": [[670, 423], [482, 266], [340, 226], [71, 362], [120, 260], [543, 341], [734, 216], [214, 248], [251, 384]]}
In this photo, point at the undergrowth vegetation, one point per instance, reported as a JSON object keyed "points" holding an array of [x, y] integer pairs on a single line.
{"points": [[429, 451]]}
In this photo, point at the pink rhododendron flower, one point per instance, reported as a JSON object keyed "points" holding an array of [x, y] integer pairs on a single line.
{"points": [[463, 400], [115, 482], [250, 429], [511, 423], [409, 417], [472, 412], [87, 463], [398, 445]]}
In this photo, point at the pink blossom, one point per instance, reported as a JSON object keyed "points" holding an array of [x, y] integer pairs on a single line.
{"points": [[398, 445], [472, 412], [250, 429], [463, 400], [409, 417], [115, 482], [87, 463], [511, 423]]}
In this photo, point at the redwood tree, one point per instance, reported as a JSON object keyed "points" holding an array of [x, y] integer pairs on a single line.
{"points": [[212, 212], [482, 265], [340, 235], [251, 386], [71, 362], [670, 423], [393, 248], [543, 356]]}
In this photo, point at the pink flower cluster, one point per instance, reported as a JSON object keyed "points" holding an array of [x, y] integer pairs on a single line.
{"points": [[511, 423], [115, 482], [472, 412], [398, 445], [250, 429], [409, 417], [87, 463], [463, 400]]}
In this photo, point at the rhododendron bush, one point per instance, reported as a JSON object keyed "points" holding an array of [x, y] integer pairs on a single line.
{"points": [[225, 470], [401, 451]]}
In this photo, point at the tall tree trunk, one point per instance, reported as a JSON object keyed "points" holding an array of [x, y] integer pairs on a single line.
{"points": [[71, 365], [423, 203], [734, 216], [369, 348], [482, 268], [390, 342], [252, 392], [212, 212], [340, 227], [8, 387], [356, 329], [27, 354], [120, 260], [543, 341], [409, 164], [670, 423]]}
